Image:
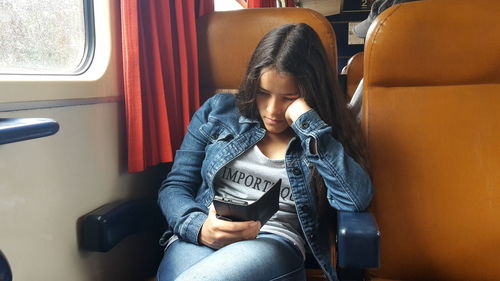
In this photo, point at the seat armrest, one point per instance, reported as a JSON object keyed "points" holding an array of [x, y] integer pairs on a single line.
{"points": [[5, 272], [358, 240], [103, 228]]}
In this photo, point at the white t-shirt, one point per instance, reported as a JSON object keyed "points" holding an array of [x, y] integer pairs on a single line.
{"points": [[248, 177]]}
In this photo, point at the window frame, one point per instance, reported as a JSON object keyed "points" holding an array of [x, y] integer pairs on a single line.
{"points": [[101, 82], [88, 48]]}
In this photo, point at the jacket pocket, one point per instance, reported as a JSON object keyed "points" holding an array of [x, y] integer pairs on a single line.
{"points": [[215, 131]]}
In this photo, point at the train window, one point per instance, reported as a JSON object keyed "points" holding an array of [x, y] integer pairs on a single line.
{"points": [[45, 37], [228, 5]]}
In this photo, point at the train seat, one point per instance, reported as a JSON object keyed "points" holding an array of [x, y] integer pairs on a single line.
{"points": [[226, 41], [430, 117], [219, 45], [354, 73], [224, 52]]}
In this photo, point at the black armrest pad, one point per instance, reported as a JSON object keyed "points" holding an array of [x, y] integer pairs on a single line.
{"points": [[358, 240], [19, 129], [5, 272], [103, 228]]}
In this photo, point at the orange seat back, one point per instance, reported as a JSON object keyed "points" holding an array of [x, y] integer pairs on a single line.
{"points": [[354, 72], [431, 116], [226, 41]]}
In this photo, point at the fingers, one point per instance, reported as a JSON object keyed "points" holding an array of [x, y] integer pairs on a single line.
{"points": [[244, 230], [294, 110], [217, 233], [231, 226]]}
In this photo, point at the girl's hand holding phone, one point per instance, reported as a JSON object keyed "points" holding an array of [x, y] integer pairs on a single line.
{"points": [[217, 233]]}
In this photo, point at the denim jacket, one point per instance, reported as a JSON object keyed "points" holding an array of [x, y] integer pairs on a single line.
{"points": [[218, 134]]}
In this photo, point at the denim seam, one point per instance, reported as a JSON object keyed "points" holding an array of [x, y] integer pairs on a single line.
{"points": [[288, 274], [342, 182], [344, 185]]}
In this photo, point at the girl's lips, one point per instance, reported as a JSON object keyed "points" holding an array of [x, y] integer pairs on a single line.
{"points": [[273, 121]]}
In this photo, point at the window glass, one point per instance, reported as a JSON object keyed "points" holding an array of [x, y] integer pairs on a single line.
{"points": [[227, 5], [42, 36]]}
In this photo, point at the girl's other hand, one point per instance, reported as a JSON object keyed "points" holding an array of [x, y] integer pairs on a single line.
{"points": [[295, 109], [216, 233]]}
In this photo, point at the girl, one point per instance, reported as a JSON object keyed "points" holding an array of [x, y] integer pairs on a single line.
{"points": [[289, 121]]}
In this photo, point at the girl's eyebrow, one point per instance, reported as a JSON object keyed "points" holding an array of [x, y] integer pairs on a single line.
{"points": [[286, 94], [263, 90]]}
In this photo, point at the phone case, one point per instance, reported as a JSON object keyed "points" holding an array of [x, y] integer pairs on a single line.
{"points": [[262, 209]]}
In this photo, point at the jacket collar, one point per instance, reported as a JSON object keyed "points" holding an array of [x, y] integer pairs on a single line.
{"points": [[243, 119]]}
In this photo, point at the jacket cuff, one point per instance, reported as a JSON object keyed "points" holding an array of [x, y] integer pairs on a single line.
{"points": [[193, 227], [308, 123]]}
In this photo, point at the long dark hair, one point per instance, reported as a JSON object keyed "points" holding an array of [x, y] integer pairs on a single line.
{"points": [[295, 49]]}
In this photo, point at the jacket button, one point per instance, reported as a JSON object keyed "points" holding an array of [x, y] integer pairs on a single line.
{"points": [[305, 125], [296, 171], [304, 208], [312, 236]]}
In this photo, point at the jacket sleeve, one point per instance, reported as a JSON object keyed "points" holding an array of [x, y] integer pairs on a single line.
{"points": [[349, 187], [176, 197]]}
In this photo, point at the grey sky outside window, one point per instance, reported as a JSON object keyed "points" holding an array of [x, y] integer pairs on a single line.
{"points": [[44, 36]]}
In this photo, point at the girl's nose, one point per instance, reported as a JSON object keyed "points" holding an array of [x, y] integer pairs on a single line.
{"points": [[273, 106]]}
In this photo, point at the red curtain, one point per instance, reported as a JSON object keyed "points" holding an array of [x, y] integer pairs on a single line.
{"points": [[160, 72]]}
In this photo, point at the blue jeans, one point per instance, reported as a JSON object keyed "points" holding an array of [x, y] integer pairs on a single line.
{"points": [[268, 257]]}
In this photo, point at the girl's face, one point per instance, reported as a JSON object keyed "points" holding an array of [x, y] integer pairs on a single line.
{"points": [[276, 92]]}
